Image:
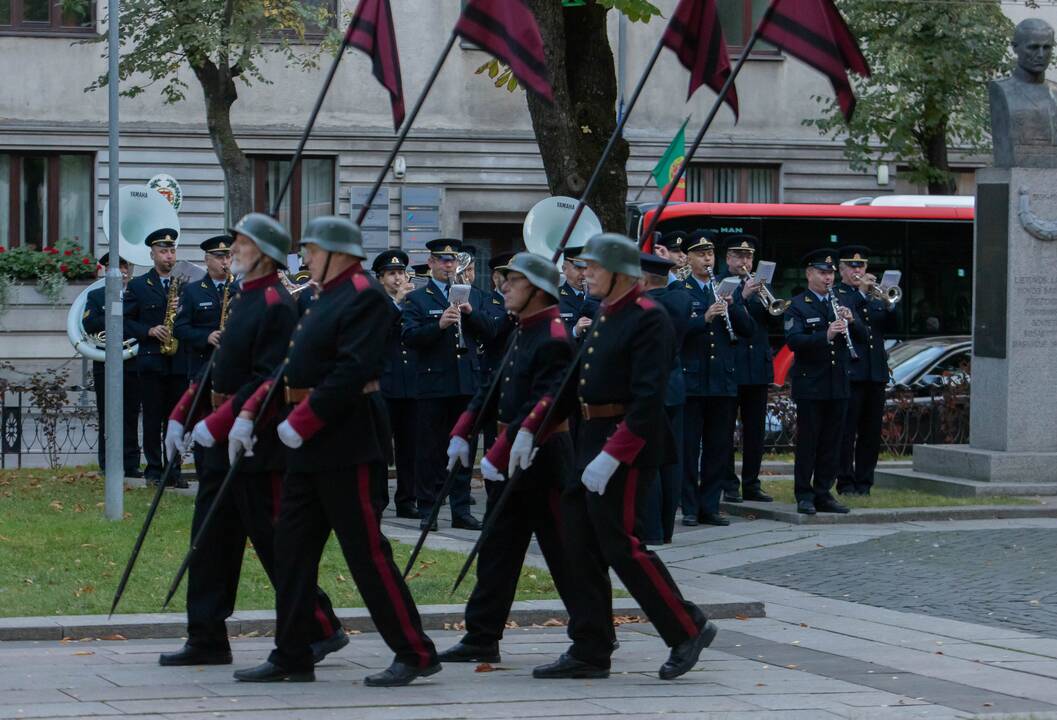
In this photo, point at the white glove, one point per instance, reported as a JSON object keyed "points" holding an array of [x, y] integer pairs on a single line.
{"points": [[202, 436], [598, 471], [490, 472], [241, 437], [458, 449], [289, 436], [174, 439], [521, 452]]}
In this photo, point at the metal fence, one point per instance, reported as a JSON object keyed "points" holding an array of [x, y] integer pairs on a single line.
{"points": [[65, 425]]}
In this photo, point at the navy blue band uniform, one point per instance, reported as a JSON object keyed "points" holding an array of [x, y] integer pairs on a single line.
{"points": [[201, 304]]}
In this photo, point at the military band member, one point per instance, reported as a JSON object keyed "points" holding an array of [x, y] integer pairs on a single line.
{"points": [[665, 493], [577, 307], [671, 246], [623, 439], [861, 442], [708, 356], [398, 379], [447, 378], [754, 372], [198, 322], [254, 342], [541, 355], [820, 383], [162, 378], [94, 322], [338, 457]]}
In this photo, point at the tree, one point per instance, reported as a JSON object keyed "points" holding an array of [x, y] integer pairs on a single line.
{"points": [[931, 62], [222, 42], [573, 131]]}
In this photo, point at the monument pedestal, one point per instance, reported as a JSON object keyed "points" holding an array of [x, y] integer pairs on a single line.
{"points": [[1013, 427]]}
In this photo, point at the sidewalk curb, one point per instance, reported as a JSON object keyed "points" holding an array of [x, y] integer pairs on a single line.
{"points": [[262, 622], [788, 514]]}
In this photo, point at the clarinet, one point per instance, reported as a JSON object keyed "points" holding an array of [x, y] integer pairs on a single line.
{"points": [[726, 311], [847, 333]]}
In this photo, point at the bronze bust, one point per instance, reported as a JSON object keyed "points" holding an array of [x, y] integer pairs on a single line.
{"points": [[1024, 105]]}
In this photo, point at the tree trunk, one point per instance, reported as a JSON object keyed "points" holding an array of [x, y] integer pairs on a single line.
{"points": [[934, 148], [573, 131], [220, 94]]}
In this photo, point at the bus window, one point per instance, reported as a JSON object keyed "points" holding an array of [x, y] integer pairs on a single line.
{"points": [[937, 286]]}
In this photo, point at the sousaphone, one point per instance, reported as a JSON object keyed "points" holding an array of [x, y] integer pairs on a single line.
{"points": [[546, 222]]}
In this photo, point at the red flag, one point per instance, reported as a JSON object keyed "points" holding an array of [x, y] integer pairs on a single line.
{"points": [[695, 36], [372, 31], [815, 32], [508, 30]]}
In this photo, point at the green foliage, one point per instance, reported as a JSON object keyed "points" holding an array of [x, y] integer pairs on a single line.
{"points": [[67, 261], [931, 63], [635, 10], [223, 35]]}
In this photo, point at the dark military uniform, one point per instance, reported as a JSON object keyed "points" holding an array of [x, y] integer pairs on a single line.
{"points": [[336, 476], [620, 389], [261, 318], [446, 381], [491, 355], [861, 441], [162, 378], [820, 387], [94, 321], [200, 309], [754, 373], [708, 357], [541, 355]]}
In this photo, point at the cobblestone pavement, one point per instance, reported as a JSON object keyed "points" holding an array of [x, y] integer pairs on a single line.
{"points": [[1003, 578]]}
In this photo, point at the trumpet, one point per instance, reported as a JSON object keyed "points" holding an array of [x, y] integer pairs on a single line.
{"points": [[890, 296], [775, 306], [682, 273], [463, 261], [296, 284]]}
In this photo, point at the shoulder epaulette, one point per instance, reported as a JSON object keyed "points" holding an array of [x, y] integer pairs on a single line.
{"points": [[646, 303], [271, 295], [360, 281]]}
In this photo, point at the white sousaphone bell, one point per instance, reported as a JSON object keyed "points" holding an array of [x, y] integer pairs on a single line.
{"points": [[546, 222], [142, 210]]}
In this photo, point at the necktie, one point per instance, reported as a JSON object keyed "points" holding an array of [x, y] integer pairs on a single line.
{"points": [[165, 284]]}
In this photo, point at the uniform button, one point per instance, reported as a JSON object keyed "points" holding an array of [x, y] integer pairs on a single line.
{"points": [[405, 352], [405, 362], [750, 346], [583, 381], [603, 318], [291, 343], [833, 362], [507, 379], [590, 350], [308, 311], [594, 334], [587, 366], [298, 326], [711, 357]]}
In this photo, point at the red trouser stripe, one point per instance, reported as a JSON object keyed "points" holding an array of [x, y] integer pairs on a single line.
{"points": [[277, 494], [640, 556], [374, 542]]}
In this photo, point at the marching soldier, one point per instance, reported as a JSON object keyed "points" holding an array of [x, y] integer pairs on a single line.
{"points": [[861, 442], [492, 350], [576, 306], [162, 378], [94, 321], [447, 378], [623, 438], [541, 356], [201, 306], [398, 379], [338, 439], [261, 318], [820, 383], [708, 355], [754, 372], [663, 498]]}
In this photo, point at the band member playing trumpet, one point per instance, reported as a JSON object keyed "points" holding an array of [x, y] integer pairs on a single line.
{"points": [[162, 377], [820, 382], [446, 378], [861, 441], [754, 372], [198, 322], [672, 247]]}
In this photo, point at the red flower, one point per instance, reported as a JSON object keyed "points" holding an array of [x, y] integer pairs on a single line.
{"points": [[86, 261], [62, 268], [2, 249], [68, 253]]}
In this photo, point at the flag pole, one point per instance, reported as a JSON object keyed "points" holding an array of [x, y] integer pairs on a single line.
{"points": [[727, 84], [407, 128]]}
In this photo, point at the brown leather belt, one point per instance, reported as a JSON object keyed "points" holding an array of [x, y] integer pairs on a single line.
{"points": [[296, 395], [563, 426], [218, 399], [594, 412]]}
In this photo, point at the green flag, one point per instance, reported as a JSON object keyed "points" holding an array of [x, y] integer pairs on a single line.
{"points": [[668, 165]]}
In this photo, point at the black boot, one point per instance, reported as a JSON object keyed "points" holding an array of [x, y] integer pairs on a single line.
{"points": [[464, 653], [684, 655], [326, 646], [191, 655], [266, 672], [567, 667], [399, 674]]}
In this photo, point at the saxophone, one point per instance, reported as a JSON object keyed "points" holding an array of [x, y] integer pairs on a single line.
{"points": [[172, 304], [224, 303]]}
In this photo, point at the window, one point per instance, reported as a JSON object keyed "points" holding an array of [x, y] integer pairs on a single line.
{"points": [[738, 19], [964, 182], [311, 192], [321, 16], [732, 183], [45, 198], [37, 17]]}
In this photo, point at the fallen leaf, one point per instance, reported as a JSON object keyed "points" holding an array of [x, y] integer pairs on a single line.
{"points": [[804, 625], [113, 637], [554, 622], [55, 505], [484, 667], [791, 667], [741, 617], [84, 652]]}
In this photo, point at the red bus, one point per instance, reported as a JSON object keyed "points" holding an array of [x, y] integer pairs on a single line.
{"points": [[932, 246]]}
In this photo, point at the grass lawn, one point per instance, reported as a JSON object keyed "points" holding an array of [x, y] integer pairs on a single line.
{"points": [[782, 491], [60, 556], [788, 457]]}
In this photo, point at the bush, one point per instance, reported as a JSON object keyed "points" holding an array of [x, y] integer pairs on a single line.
{"points": [[66, 259]]}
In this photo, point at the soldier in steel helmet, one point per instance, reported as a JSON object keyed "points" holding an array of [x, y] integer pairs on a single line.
{"points": [[337, 434], [261, 317], [623, 438]]}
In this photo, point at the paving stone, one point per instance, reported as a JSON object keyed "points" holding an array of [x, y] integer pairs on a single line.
{"points": [[49, 710]]}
